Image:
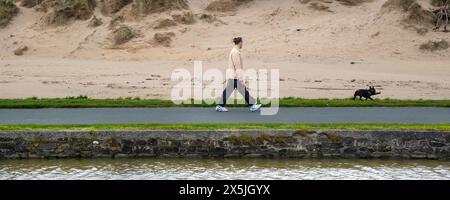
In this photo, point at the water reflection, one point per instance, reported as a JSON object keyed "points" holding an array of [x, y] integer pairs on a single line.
{"points": [[172, 169]]}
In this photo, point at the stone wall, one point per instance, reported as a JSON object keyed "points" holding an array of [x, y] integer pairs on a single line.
{"points": [[225, 144]]}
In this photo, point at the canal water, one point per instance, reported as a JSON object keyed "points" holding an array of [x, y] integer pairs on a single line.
{"points": [[248, 169]]}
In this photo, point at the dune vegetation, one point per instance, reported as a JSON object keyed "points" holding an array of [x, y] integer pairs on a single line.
{"points": [[8, 10], [434, 45]]}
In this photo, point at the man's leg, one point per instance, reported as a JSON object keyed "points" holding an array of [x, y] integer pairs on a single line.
{"points": [[244, 92], [227, 92]]}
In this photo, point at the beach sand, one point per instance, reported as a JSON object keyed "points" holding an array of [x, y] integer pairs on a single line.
{"points": [[320, 54]]}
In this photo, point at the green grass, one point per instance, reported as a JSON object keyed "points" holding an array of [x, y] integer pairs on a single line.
{"points": [[85, 102], [436, 127], [438, 2], [7, 11]]}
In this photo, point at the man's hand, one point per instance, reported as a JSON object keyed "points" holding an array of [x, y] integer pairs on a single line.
{"points": [[244, 82]]}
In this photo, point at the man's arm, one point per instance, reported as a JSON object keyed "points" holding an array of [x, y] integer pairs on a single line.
{"points": [[238, 67]]}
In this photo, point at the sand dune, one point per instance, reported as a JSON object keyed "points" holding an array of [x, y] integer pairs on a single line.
{"points": [[312, 46]]}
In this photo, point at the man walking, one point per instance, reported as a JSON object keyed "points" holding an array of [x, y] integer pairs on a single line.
{"points": [[237, 82]]}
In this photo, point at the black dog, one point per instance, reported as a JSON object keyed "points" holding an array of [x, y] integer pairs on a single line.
{"points": [[367, 94]]}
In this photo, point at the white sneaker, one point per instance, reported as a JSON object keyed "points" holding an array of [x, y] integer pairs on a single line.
{"points": [[221, 109], [255, 107]]}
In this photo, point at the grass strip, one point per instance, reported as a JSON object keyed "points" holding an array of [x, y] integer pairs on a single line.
{"points": [[98, 127], [84, 102]]}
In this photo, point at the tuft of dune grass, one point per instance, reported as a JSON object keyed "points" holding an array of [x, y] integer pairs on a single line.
{"points": [[122, 35], [64, 11], [438, 2], [415, 13], [8, 10], [434, 45]]}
